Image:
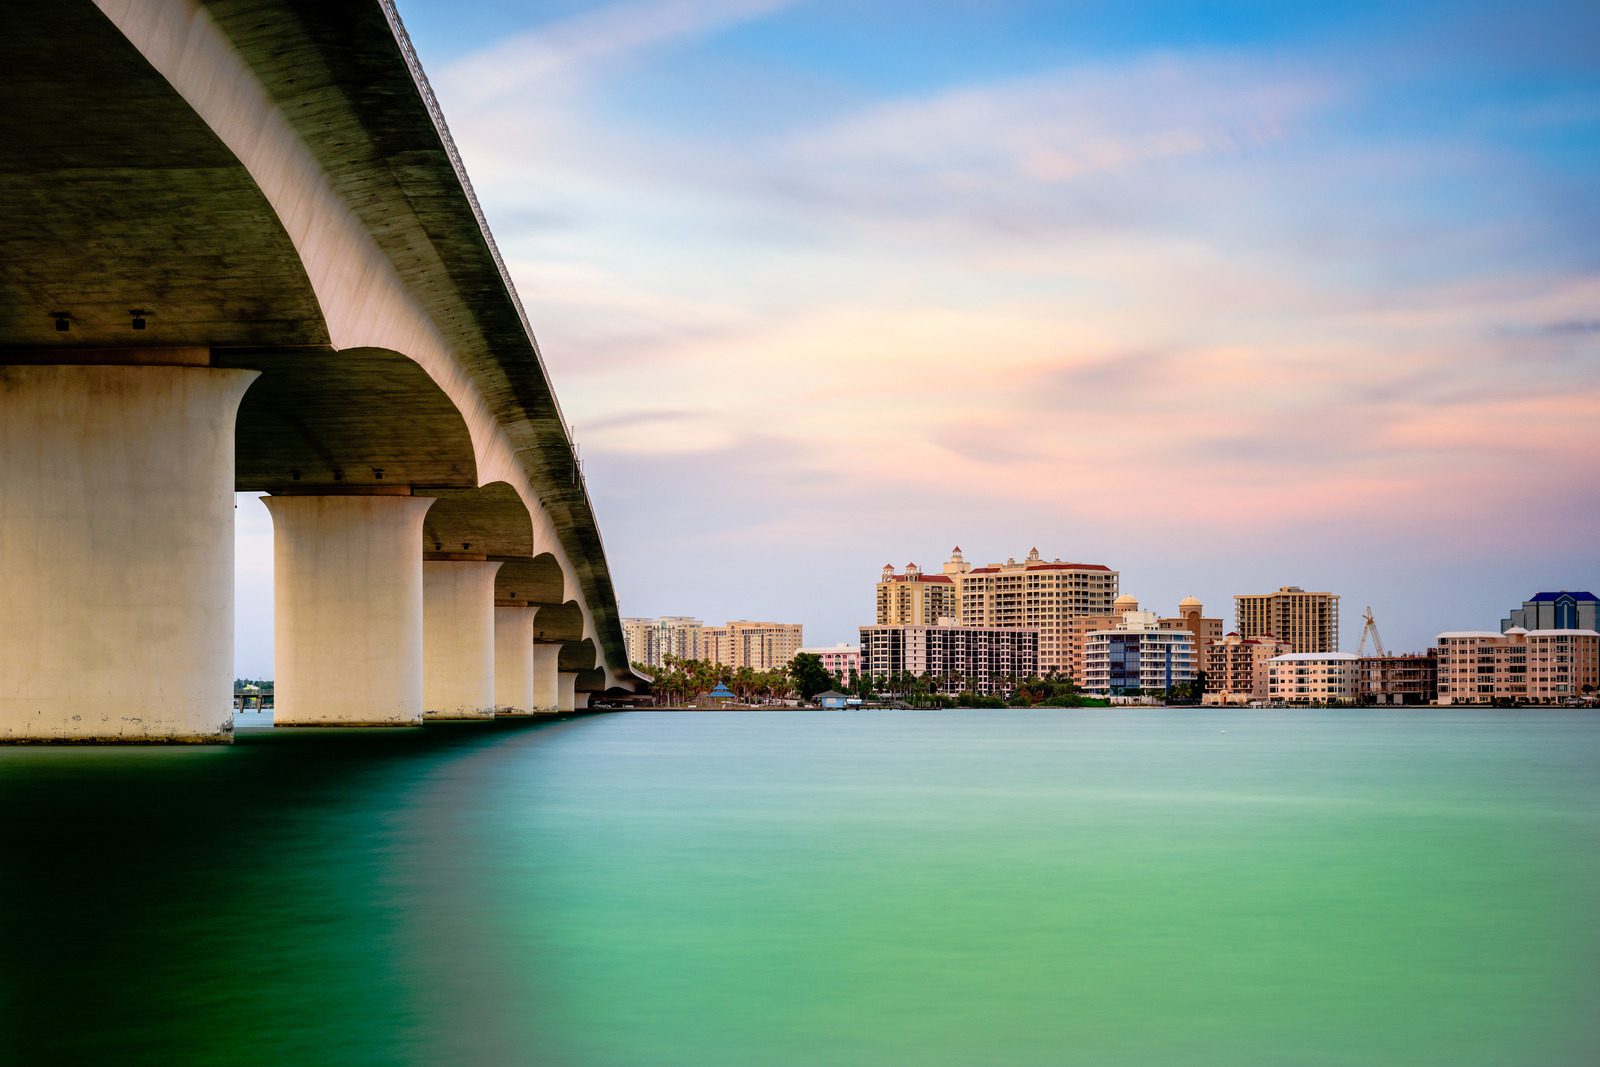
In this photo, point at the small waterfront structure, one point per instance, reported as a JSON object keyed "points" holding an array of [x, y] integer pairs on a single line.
{"points": [[832, 700]]}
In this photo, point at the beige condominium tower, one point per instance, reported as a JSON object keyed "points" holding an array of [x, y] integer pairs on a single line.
{"points": [[1036, 594], [1307, 622], [761, 646], [915, 598]]}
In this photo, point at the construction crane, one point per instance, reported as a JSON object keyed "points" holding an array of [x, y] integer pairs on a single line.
{"points": [[1370, 626]]}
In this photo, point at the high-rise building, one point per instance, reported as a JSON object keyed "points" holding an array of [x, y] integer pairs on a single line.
{"points": [[1309, 622], [1137, 658], [761, 646], [915, 598], [1518, 666], [1561, 610], [651, 641], [985, 660], [1237, 669], [1035, 594]]}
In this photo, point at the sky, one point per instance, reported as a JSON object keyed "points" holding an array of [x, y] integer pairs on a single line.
{"points": [[1224, 296]]}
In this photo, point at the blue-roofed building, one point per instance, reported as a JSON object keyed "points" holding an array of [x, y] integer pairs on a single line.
{"points": [[1561, 610]]}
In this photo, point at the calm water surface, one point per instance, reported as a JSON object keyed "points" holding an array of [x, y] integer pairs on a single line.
{"points": [[961, 888]]}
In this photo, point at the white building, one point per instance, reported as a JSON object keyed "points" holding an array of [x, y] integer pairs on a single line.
{"points": [[1314, 678], [1138, 657], [651, 641], [989, 661]]}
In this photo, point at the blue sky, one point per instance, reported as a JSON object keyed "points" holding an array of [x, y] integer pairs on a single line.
{"points": [[1226, 296]]}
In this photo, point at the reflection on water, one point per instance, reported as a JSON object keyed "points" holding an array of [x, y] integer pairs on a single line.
{"points": [[1090, 887]]}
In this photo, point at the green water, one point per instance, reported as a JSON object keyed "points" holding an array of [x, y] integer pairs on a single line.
{"points": [[1115, 888]]}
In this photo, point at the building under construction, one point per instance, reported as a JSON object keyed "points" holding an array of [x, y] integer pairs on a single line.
{"points": [[1410, 679]]}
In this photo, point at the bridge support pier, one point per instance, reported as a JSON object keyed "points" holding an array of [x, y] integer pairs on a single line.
{"points": [[566, 693], [457, 636], [348, 599], [546, 676], [513, 658], [116, 550]]}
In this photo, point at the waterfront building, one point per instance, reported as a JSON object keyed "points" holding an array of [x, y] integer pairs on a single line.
{"points": [[1312, 678], [1138, 658], [1192, 617], [761, 646], [1038, 595], [986, 660], [1237, 668], [651, 641], [841, 660], [1560, 610], [915, 598], [1518, 666], [1407, 679], [1309, 622], [1079, 627]]}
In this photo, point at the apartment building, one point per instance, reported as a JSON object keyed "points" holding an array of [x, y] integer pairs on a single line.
{"points": [[1518, 666], [1309, 622], [1312, 678], [1139, 657], [651, 641], [914, 598], [761, 646], [1237, 668], [1035, 594], [984, 660], [841, 659]]}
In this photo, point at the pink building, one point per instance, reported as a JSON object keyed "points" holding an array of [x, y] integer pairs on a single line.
{"points": [[840, 659], [1519, 666]]}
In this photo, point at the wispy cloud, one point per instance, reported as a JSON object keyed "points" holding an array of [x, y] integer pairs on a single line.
{"points": [[582, 46]]}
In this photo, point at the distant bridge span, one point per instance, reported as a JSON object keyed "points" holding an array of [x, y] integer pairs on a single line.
{"points": [[238, 251]]}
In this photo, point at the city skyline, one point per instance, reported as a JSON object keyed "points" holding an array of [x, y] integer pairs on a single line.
{"points": [[1224, 301]]}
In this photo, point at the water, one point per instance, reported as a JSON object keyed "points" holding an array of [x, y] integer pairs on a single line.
{"points": [[1133, 887]]}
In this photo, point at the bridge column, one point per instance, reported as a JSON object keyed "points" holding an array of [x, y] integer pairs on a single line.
{"points": [[348, 598], [513, 657], [546, 676], [566, 693], [580, 700], [457, 636], [116, 549]]}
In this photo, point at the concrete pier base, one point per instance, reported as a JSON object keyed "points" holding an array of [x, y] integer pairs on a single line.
{"points": [[348, 598], [458, 636], [566, 691], [513, 659], [116, 552], [546, 676]]}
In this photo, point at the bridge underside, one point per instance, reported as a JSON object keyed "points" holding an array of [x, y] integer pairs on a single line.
{"points": [[143, 263]]}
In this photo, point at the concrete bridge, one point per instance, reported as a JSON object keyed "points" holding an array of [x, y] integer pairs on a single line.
{"points": [[238, 251]]}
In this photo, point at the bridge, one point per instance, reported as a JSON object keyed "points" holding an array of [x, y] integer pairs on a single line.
{"points": [[239, 252]]}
